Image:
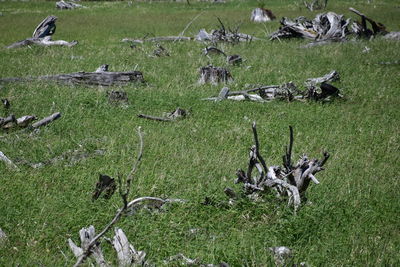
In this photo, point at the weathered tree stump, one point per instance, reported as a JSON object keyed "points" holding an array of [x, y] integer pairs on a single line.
{"points": [[262, 15], [214, 75]]}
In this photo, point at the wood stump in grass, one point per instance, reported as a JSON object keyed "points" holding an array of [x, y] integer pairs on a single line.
{"points": [[45, 28], [214, 75], [262, 15]]}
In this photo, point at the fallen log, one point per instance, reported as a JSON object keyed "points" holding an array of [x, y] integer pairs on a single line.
{"points": [[290, 180], [88, 78]]}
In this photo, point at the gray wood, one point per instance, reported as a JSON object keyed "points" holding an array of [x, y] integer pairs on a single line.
{"points": [[46, 120], [45, 28], [214, 75], [45, 41]]}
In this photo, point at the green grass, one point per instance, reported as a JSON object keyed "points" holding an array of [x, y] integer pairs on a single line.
{"points": [[351, 218]]}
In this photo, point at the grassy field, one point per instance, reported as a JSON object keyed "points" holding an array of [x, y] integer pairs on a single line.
{"points": [[352, 217]]}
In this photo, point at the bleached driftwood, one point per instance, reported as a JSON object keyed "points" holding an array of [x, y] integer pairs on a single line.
{"points": [[330, 77], [325, 26], [316, 89], [87, 235], [262, 15], [45, 41], [290, 180], [7, 161], [126, 252], [214, 75], [42, 36], [45, 28], [221, 35], [67, 5], [170, 116], [88, 78], [8, 122], [24, 121]]}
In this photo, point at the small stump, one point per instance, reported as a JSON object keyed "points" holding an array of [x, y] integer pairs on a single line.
{"points": [[214, 75]]}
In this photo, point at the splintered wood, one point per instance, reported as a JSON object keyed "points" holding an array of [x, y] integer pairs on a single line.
{"points": [[214, 75], [262, 15], [288, 181], [42, 35], [317, 89]]}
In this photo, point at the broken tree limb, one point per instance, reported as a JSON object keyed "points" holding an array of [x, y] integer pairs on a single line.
{"points": [[45, 41], [330, 77], [46, 120], [170, 116], [362, 29], [45, 28], [126, 253], [158, 39]]}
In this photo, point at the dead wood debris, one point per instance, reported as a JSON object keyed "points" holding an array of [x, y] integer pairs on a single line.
{"points": [[329, 27], [317, 89], [262, 15], [160, 51], [6, 103], [42, 35], [7, 161], [288, 181], [68, 5], [177, 114], [90, 242], [24, 122], [214, 75], [99, 77]]}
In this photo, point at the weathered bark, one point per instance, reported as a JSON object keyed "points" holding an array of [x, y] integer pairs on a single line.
{"points": [[45, 28], [88, 78], [326, 26], [45, 41], [214, 75], [7, 161], [262, 15], [126, 253]]}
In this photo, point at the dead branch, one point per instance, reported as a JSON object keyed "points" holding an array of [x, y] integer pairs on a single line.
{"points": [[46, 120], [290, 181], [45, 41], [158, 39], [126, 253], [178, 113], [67, 5], [362, 29]]}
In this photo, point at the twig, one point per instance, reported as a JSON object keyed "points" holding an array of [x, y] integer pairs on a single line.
{"points": [[260, 158], [153, 117], [187, 26]]}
